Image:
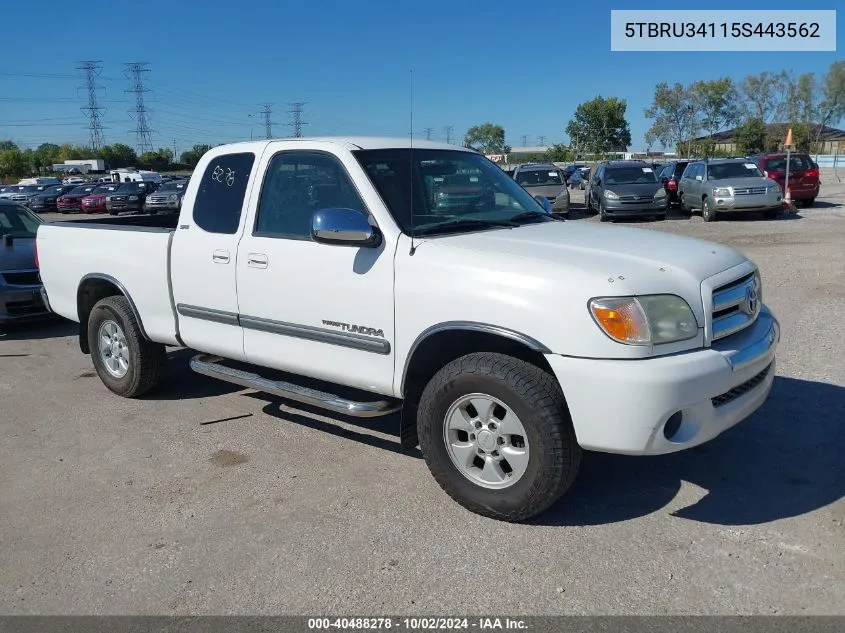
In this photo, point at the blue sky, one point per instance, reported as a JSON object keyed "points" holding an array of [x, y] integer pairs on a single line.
{"points": [[212, 64]]}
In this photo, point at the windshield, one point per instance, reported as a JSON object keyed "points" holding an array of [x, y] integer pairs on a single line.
{"points": [[17, 221], [629, 175], [132, 187], [539, 178], [172, 186], [108, 189], [448, 186], [723, 171], [81, 191]]}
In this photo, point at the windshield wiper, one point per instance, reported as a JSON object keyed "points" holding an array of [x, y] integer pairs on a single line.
{"points": [[459, 225], [530, 215]]}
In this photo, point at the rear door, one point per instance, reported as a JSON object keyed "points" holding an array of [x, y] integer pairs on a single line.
{"points": [[204, 254]]}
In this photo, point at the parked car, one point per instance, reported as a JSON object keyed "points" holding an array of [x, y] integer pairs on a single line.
{"points": [[20, 284], [579, 178], [446, 317], [20, 193], [544, 179], [669, 177], [804, 182], [129, 196], [571, 169], [47, 200], [721, 185], [95, 202], [625, 188], [168, 197], [72, 200], [74, 180]]}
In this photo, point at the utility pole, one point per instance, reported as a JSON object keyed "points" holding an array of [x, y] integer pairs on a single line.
{"points": [[175, 153], [447, 130], [541, 141], [92, 71], [428, 131], [136, 71], [268, 124], [297, 122], [525, 140]]}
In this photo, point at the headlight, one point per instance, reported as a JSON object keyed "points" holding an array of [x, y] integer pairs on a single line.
{"points": [[722, 193], [174, 198], [645, 320], [661, 193], [610, 195], [133, 197]]}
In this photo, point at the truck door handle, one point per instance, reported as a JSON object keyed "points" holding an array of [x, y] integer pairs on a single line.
{"points": [[256, 260], [220, 257]]}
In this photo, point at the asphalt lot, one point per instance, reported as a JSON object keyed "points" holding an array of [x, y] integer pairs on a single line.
{"points": [[205, 498]]}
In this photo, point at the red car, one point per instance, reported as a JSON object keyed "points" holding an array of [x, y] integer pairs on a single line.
{"points": [[72, 200], [95, 202], [803, 174]]}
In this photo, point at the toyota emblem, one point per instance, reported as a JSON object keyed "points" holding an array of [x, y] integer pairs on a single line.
{"points": [[751, 302]]}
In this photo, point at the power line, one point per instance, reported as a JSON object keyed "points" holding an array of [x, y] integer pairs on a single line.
{"points": [[428, 131], [525, 140], [447, 130], [136, 71], [93, 69], [541, 141], [268, 124], [297, 122]]}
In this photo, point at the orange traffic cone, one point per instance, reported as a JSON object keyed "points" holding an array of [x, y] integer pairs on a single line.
{"points": [[788, 200]]}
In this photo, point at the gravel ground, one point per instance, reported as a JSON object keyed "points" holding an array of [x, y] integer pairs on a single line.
{"points": [[209, 499]]}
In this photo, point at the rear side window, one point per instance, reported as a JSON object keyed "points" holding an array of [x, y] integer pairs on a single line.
{"points": [[679, 169], [220, 197], [796, 163]]}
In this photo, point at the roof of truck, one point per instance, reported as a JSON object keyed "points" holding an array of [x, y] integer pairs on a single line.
{"points": [[360, 142]]}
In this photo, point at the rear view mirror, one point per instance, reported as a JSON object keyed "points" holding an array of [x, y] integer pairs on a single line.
{"points": [[343, 226]]}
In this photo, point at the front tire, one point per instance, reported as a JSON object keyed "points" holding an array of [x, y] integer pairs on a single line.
{"points": [[603, 217], [707, 212], [496, 435], [127, 363]]}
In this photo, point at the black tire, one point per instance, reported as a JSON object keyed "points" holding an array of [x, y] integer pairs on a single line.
{"points": [[660, 217], [536, 398], [112, 212], [707, 213], [810, 202], [587, 206], [771, 214], [603, 217], [146, 359]]}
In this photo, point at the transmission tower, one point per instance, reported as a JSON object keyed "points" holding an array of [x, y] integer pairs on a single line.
{"points": [[447, 130], [525, 140], [136, 72], [268, 124], [428, 132], [296, 122], [92, 71], [541, 141]]}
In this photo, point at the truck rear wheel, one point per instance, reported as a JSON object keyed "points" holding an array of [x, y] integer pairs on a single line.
{"points": [[127, 363], [496, 434]]}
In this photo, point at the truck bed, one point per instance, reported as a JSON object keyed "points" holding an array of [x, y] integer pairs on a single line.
{"points": [[131, 252]]}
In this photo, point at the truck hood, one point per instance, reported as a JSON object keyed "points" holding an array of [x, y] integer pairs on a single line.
{"points": [[640, 260], [19, 256], [739, 183]]}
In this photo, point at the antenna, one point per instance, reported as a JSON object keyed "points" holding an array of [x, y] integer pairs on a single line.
{"points": [[411, 165]]}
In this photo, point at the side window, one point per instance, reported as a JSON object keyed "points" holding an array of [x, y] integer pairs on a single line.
{"points": [[296, 185], [220, 197]]}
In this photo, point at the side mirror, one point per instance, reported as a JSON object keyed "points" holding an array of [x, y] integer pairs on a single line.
{"points": [[547, 206], [699, 178], [343, 226]]}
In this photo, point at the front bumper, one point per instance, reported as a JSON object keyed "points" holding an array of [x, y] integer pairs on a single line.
{"points": [[133, 205], [615, 207], [749, 203], [21, 303], [622, 406], [161, 206]]}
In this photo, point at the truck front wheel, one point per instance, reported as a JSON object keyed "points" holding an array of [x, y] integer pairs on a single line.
{"points": [[496, 434], [127, 363]]}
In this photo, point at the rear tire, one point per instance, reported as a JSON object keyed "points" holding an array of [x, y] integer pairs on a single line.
{"points": [[128, 364], [514, 400], [810, 202]]}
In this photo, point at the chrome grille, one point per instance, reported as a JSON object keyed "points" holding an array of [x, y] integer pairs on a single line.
{"points": [[750, 191], [736, 305], [740, 390]]}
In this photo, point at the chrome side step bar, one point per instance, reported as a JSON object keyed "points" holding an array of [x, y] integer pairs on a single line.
{"points": [[209, 365]]}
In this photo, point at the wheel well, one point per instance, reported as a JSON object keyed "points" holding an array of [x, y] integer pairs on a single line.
{"points": [[92, 290], [440, 348]]}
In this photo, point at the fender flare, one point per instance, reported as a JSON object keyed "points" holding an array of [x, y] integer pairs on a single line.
{"points": [[83, 326]]}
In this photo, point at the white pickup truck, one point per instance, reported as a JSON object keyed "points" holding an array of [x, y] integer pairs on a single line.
{"points": [[509, 339]]}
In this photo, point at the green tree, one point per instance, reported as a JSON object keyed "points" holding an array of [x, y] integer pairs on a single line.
{"points": [[8, 145], [192, 156], [718, 105], [559, 153], [831, 106], [599, 126], [118, 155], [159, 159], [487, 138], [750, 137], [13, 163], [675, 116], [45, 156], [763, 95]]}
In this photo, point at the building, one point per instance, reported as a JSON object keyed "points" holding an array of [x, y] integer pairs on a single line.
{"points": [[81, 166], [831, 141]]}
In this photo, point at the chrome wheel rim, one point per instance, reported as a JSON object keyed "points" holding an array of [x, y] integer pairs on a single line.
{"points": [[114, 352], [486, 441]]}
